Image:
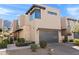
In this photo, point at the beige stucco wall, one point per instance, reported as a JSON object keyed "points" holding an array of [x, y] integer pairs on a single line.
{"points": [[47, 21], [25, 25], [23, 20], [14, 25], [64, 22], [25, 33]]}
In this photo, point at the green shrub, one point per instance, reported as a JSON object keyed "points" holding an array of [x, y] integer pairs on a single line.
{"points": [[71, 40], [21, 40], [76, 42], [33, 47], [6, 41], [19, 44], [43, 44], [10, 41], [15, 38], [32, 42], [28, 42], [3, 44], [65, 40]]}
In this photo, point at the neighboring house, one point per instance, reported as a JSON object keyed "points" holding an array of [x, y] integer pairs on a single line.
{"points": [[4, 30], [7, 24], [14, 28], [20, 27], [39, 23], [1, 23], [1, 28], [68, 27]]}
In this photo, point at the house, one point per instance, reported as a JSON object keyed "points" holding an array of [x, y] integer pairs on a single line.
{"points": [[4, 28], [68, 26], [20, 27], [1, 23], [40, 22], [1, 28]]}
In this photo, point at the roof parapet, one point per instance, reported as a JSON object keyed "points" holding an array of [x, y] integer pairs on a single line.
{"points": [[34, 5]]}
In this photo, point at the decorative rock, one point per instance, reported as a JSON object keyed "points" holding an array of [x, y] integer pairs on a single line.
{"points": [[50, 51]]}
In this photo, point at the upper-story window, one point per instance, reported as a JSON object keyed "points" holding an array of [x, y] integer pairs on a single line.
{"points": [[36, 14], [52, 13]]}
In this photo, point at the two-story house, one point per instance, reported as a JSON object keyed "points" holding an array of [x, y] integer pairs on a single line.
{"points": [[41, 22]]}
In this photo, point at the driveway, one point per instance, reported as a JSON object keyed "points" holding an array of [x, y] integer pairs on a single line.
{"points": [[63, 49], [59, 49]]}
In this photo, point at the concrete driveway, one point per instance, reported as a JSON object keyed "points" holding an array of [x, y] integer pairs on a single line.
{"points": [[59, 49], [63, 49]]}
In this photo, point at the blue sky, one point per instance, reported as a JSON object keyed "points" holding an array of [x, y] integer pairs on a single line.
{"points": [[12, 11]]}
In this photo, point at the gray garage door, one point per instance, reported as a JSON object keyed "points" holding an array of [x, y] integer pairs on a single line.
{"points": [[49, 36], [76, 35]]}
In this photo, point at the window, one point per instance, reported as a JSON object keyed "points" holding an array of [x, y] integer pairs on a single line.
{"points": [[36, 14], [52, 13]]}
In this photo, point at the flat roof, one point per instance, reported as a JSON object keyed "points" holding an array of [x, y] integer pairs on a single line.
{"points": [[34, 5], [72, 19]]}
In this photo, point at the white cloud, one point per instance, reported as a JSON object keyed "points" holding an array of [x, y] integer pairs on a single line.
{"points": [[4, 11], [73, 12]]}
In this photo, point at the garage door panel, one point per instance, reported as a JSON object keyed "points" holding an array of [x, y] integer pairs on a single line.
{"points": [[49, 36]]}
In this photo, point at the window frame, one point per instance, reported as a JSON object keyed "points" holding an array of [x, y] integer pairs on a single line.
{"points": [[35, 12], [52, 13]]}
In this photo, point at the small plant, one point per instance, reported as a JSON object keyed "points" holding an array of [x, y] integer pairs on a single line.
{"points": [[19, 44], [33, 47], [3, 44], [76, 42], [21, 40], [1, 30], [70, 40], [27, 42], [32, 42], [6, 41], [43, 44], [65, 39], [11, 41]]}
